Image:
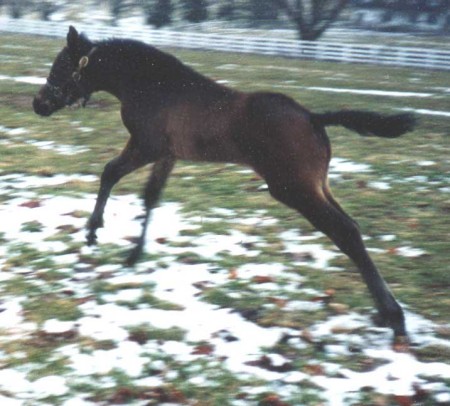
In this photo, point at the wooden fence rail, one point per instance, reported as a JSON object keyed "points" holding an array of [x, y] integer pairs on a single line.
{"points": [[316, 50]]}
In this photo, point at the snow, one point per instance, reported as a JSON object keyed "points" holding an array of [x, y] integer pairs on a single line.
{"points": [[32, 80], [427, 112], [106, 316]]}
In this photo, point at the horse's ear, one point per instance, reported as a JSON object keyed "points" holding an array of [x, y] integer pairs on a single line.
{"points": [[72, 37], [78, 44]]}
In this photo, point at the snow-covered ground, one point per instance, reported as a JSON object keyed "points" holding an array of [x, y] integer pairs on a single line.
{"points": [[233, 343]]}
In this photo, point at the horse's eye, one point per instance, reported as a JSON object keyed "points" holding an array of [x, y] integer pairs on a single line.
{"points": [[76, 76]]}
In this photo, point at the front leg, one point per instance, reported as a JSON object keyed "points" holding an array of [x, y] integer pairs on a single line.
{"points": [[129, 160], [158, 178]]}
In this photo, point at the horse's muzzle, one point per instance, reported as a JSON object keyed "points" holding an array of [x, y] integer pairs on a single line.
{"points": [[43, 108]]}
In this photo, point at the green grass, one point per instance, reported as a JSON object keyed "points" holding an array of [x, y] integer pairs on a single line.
{"points": [[416, 212]]}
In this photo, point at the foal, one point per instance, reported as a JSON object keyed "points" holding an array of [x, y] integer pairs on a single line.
{"points": [[172, 112]]}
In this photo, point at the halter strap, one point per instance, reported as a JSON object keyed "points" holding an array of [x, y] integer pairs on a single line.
{"points": [[81, 65]]}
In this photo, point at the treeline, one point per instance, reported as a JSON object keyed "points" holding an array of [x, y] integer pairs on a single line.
{"points": [[158, 12], [311, 18]]}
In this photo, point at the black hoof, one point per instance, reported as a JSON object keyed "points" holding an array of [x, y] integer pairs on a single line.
{"points": [[133, 256], [91, 239]]}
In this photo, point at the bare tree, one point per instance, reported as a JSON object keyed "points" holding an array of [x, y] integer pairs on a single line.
{"points": [[312, 17], [158, 12]]}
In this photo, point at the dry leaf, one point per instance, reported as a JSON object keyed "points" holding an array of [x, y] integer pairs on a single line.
{"points": [[232, 274], [262, 279], [32, 204], [203, 349]]}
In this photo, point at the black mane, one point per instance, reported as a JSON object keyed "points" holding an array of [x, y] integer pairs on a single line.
{"points": [[145, 64]]}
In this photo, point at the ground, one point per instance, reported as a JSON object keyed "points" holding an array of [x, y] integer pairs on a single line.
{"points": [[237, 300]]}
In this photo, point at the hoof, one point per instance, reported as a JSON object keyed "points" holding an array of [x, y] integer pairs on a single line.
{"points": [[401, 344], [91, 239], [133, 257]]}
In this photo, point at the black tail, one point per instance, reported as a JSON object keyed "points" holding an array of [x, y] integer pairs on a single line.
{"points": [[368, 123]]}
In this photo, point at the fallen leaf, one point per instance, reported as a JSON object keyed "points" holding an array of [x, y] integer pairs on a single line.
{"points": [[361, 184], [122, 395], [262, 279], [420, 395], [68, 228], [314, 369], [403, 400], [338, 308], [203, 349], [32, 204], [139, 336], [306, 335], [302, 256], [232, 274], [272, 400], [85, 299], [277, 301], [330, 292], [265, 362]]}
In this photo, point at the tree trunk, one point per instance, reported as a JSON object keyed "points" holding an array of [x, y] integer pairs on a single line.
{"points": [[314, 18]]}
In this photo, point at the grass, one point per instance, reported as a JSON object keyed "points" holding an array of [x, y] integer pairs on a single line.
{"points": [[415, 209]]}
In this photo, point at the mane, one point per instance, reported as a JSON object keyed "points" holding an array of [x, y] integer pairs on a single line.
{"points": [[143, 62]]}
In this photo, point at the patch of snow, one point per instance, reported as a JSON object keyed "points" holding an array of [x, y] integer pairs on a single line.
{"points": [[13, 131], [54, 326], [426, 112], [49, 386], [426, 163], [410, 252], [25, 79], [339, 165], [379, 185]]}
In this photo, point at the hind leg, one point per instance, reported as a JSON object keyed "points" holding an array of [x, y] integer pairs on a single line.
{"points": [[320, 208]]}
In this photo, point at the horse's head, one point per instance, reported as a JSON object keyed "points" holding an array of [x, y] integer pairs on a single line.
{"points": [[64, 85]]}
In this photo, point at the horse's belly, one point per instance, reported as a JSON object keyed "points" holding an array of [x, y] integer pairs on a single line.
{"points": [[207, 148]]}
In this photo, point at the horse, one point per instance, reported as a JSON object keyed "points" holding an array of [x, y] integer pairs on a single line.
{"points": [[172, 112]]}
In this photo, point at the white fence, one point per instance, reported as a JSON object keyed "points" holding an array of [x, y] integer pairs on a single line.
{"points": [[317, 50]]}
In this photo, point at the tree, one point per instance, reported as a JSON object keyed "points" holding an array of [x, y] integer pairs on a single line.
{"points": [[195, 11], [312, 17], [115, 7], [263, 10], [227, 10], [16, 8], [158, 12], [46, 9]]}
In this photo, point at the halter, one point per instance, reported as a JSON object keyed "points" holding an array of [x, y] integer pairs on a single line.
{"points": [[56, 90]]}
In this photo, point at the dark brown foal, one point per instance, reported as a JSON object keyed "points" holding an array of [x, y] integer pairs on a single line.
{"points": [[172, 112]]}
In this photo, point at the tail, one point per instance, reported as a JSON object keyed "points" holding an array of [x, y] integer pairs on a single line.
{"points": [[367, 123]]}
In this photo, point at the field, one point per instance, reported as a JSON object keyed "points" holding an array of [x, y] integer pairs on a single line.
{"points": [[238, 300]]}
